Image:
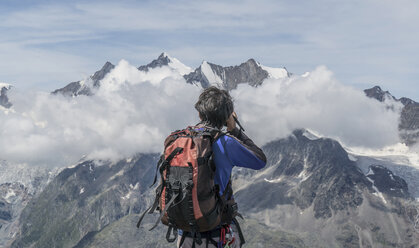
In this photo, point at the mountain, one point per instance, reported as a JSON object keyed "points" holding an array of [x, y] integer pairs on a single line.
{"points": [[409, 117], [377, 93], [88, 86], [82, 200], [165, 60], [85, 87], [207, 74], [309, 194], [313, 188], [4, 100], [228, 78]]}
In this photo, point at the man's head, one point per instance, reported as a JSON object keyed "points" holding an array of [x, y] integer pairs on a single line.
{"points": [[215, 106]]}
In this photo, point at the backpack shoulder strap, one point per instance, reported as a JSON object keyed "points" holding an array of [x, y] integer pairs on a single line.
{"points": [[213, 133]]}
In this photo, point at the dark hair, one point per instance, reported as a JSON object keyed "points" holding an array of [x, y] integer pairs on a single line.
{"points": [[215, 106]]}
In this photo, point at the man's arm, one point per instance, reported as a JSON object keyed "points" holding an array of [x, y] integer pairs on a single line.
{"points": [[242, 151]]}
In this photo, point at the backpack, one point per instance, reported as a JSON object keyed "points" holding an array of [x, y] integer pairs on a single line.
{"points": [[187, 197]]}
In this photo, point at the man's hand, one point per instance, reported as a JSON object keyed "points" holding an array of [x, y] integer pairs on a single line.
{"points": [[231, 123]]}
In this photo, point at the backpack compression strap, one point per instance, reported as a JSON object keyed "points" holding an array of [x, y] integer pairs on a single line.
{"points": [[151, 209]]}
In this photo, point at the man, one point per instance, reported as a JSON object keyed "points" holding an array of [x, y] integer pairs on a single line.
{"points": [[216, 109]]}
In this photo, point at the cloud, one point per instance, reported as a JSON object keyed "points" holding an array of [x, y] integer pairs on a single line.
{"points": [[133, 111], [320, 103]]}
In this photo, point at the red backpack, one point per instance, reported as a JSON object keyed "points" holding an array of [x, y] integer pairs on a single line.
{"points": [[187, 197]]}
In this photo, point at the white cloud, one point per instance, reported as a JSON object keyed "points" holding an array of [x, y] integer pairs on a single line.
{"points": [[318, 102], [134, 111]]}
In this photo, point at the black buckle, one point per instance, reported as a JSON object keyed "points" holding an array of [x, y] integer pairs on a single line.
{"points": [[176, 186]]}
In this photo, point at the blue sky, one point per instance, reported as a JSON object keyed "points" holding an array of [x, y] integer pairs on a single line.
{"points": [[46, 44]]}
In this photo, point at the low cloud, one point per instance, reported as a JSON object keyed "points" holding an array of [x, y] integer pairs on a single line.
{"points": [[133, 111], [321, 103]]}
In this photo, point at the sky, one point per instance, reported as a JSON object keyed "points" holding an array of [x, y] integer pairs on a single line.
{"points": [[47, 44]]}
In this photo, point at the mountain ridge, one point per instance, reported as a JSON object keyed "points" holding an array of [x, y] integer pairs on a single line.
{"points": [[409, 116], [207, 74]]}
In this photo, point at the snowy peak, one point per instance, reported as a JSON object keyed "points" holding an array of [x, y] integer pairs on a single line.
{"points": [[162, 60], [4, 100], [276, 73], [165, 60], [212, 73], [5, 85], [207, 74], [99, 75], [85, 87], [88, 86], [249, 72]]}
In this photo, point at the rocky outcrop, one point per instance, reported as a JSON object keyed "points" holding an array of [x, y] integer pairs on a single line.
{"points": [[4, 100], [162, 60], [388, 183], [377, 93]]}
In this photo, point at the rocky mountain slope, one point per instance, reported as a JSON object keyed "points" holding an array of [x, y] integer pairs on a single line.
{"points": [[409, 117], [13, 198], [82, 200], [309, 195], [310, 186], [18, 185]]}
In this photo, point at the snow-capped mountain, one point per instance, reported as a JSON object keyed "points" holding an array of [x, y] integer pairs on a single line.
{"points": [[250, 72], [207, 74], [165, 60], [4, 100], [87, 86], [409, 117]]}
